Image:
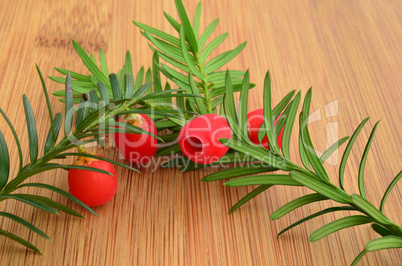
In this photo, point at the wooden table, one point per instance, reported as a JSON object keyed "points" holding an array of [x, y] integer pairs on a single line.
{"points": [[349, 51]]}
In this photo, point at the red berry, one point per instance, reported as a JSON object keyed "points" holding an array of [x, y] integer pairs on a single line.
{"points": [[90, 187], [255, 120], [137, 148], [198, 139]]}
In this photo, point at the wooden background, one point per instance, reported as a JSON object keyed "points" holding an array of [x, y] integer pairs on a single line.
{"points": [[349, 51]]}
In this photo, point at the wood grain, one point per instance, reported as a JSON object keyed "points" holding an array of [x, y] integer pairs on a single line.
{"points": [[349, 51]]}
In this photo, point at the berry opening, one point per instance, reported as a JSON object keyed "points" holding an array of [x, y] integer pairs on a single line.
{"points": [[193, 146], [134, 120]]}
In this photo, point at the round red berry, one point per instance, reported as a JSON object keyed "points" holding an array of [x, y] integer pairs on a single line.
{"points": [[255, 120], [199, 138], [90, 187], [137, 148]]}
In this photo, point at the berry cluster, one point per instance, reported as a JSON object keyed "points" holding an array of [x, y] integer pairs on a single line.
{"points": [[198, 140]]}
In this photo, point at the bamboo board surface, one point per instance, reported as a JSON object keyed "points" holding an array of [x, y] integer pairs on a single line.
{"points": [[349, 51]]}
